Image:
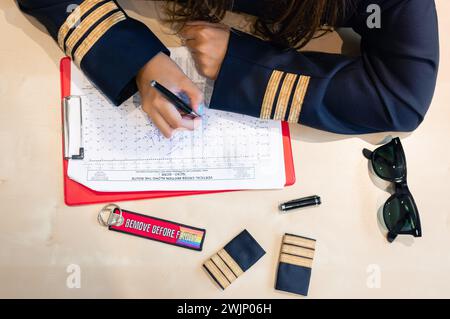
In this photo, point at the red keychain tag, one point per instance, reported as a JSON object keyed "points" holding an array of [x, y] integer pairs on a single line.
{"points": [[153, 228]]}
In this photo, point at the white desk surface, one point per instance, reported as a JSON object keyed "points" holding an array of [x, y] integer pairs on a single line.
{"points": [[40, 237]]}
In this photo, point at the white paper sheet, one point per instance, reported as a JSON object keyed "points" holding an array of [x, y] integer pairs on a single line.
{"points": [[124, 151]]}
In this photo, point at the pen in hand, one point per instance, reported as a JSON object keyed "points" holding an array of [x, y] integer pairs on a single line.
{"points": [[175, 100]]}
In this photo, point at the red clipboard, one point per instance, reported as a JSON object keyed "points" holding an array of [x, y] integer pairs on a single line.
{"points": [[77, 194]]}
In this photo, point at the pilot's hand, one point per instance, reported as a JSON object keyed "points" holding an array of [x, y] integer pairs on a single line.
{"points": [[208, 44], [163, 114]]}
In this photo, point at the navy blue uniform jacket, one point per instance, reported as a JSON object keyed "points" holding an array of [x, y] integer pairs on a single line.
{"points": [[388, 87]]}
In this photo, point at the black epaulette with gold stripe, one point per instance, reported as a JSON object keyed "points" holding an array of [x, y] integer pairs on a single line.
{"points": [[242, 252], [295, 263]]}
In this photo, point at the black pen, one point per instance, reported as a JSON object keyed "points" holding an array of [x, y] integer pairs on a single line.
{"points": [[175, 100], [301, 202]]}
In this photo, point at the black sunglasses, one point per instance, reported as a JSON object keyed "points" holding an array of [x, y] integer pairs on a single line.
{"points": [[400, 212]]}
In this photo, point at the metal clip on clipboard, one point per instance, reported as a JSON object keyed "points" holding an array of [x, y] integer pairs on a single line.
{"points": [[73, 127]]}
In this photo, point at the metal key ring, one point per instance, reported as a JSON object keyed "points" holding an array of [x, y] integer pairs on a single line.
{"points": [[111, 208]]}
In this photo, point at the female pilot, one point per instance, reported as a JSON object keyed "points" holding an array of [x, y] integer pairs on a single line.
{"points": [[388, 87]]}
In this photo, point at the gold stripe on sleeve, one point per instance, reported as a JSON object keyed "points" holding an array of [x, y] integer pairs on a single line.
{"points": [[295, 260], [237, 270], [215, 272], [74, 18], [269, 96], [299, 241], [96, 34], [87, 23], [299, 97], [285, 94], [298, 251], [223, 268]]}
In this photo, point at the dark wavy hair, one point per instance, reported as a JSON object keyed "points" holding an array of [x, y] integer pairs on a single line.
{"points": [[287, 23]]}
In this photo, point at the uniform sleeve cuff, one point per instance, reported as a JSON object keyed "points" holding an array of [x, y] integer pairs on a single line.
{"points": [[114, 61], [241, 83]]}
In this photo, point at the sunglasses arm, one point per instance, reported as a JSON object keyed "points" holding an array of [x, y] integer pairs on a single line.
{"points": [[367, 153]]}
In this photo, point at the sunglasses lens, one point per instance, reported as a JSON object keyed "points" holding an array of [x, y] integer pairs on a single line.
{"points": [[388, 161], [400, 214]]}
